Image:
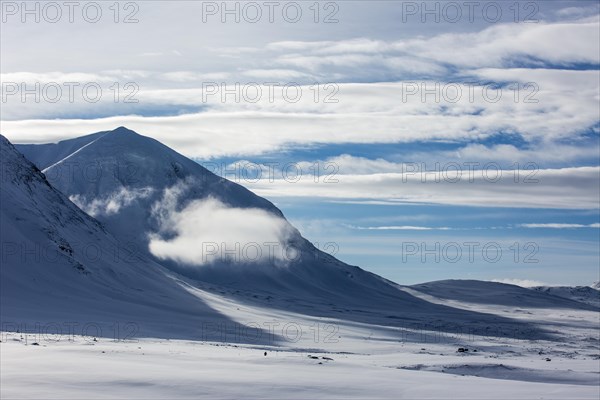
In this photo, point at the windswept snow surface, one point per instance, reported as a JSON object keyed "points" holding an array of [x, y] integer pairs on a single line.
{"points": [[88, 311], [150, 369]]}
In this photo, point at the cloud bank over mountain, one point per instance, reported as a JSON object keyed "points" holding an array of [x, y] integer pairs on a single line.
{"points": [[207, 230]]}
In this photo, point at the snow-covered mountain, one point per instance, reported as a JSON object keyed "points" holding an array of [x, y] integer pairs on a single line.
{"points": [[61, 266], [583, 294], [501, 294], [161, 208], [169, 207]]}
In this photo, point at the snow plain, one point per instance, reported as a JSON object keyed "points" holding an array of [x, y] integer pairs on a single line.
{"points": [[362, 362], [313, 357]]}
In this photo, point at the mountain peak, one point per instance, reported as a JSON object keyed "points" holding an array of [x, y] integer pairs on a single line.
{"points": [[121, 141], [102, 164], [123, 130]]}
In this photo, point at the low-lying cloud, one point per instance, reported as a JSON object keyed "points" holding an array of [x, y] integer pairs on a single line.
{"points": [[112, 203], [207, 230]]}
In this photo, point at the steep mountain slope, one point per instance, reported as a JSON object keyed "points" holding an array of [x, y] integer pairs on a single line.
{"points": [[47, 154], [59, 266]]}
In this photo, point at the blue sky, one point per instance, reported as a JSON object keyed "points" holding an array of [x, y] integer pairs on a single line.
{"points": [[375, 133]]}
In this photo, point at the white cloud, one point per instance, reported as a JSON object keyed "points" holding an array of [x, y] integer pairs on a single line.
{"points": [[206, 231], [578, 12], [112, 203], [364, 113], [497, 46], [402, 228], [277, 74], [193, 76], [560, 226], [347, 164], [544, 153], [520, 282], [569, 188]]}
